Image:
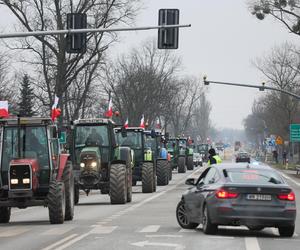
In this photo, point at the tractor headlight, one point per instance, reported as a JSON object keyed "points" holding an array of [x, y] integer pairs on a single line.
{"points": [[14, 181], [26, 181], [82, 164], [94, 164]]}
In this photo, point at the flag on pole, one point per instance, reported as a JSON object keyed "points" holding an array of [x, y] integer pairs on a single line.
{"points": [[157, 124], [126, 123], [109, 112], [55, 112], [142, 125], [4, 109]]}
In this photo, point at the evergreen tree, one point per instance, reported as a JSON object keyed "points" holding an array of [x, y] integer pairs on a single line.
{"points": [[26, 98]]}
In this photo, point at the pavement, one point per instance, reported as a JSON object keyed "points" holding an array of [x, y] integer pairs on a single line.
{"points": [[149, 222]]}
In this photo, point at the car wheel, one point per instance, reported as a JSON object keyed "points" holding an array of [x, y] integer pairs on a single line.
{"points": [[208, 227], [182, 218], [286, 231]]}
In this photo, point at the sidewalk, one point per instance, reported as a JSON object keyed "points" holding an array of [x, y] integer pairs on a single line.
{"points": [[292, 172]]}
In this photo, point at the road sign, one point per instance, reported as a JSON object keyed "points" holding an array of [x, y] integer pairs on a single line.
{"points": [[63, 137], [295, 132], [279, 140]]}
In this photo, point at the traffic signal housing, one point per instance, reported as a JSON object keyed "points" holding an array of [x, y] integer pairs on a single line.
{"points": [[168, 37], [76, 43]]}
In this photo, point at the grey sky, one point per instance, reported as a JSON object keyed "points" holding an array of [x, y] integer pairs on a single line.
{"points": [[223, 40]]}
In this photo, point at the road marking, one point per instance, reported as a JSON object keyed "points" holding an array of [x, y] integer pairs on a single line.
{"points": [[13, 232], [251, 243], [71, 242], [60, 242], [222, 237], [58, 230], [150, 229], [187, 230], [291, 179], [158, 244], [98, 229], [164, 236]]}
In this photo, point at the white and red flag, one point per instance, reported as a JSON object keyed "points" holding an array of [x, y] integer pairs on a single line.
{"points": [[55, 112], [4, 109], [109, 112], [142, 125], [126, 124]]}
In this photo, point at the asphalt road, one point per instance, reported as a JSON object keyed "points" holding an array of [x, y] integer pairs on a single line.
{"points": [[148, 222]]}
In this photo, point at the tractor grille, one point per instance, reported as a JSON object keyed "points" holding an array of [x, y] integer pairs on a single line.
{"points": [[20, 177]]}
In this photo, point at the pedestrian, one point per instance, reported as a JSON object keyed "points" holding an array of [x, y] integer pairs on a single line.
{"points": [[275, 154], [213, 158], [284, 154]]}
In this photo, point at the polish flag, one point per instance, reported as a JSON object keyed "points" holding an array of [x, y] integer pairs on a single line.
{"points": [[126, 124], [109, 112], [4, 109], [55, 112], [158, 124], [142, 125]]}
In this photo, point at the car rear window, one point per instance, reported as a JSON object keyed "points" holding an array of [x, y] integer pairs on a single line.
{"points": [[254, 176]]}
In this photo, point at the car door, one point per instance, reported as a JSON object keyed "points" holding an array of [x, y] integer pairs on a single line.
{"points": [[198, 193]]}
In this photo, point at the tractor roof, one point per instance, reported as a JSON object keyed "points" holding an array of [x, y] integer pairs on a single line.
{"points": [[93, 121], [27, 121], [136, 129]]}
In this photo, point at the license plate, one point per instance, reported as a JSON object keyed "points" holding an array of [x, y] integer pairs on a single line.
{"points": [[259, 197]]}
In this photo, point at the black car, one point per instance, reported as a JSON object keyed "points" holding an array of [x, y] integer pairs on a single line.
{"points": [[242, 157], [233, 194]]}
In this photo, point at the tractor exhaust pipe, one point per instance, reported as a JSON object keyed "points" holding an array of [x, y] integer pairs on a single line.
{"points": [[19, 137]]}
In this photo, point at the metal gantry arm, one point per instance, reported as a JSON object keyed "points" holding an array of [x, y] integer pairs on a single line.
{"points": [[260, 87], [76, 31]]}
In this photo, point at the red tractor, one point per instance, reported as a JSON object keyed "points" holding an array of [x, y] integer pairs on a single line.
{"points": [[33, 171]]}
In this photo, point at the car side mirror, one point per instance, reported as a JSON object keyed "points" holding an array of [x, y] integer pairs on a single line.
{"points": [[190, 182], [123, 132]]}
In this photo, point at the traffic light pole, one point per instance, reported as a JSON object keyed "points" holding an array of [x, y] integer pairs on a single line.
{"points": [[76, 31], [260, 87]]}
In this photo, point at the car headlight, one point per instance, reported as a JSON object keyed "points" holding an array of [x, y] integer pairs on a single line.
{"points": [[14, 181], [94, 164], [26, 181], [82, 164]]}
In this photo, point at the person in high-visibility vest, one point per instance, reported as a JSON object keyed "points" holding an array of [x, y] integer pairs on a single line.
{"points": [[213, 158]]}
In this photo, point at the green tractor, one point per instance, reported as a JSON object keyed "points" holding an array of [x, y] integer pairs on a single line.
{"points": [[99, 164], [144, 162], [156, 141], [181, 154], [202, 149]]}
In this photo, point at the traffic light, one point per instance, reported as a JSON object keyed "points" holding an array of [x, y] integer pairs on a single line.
{"points": [[168, 37], [76, 43]]}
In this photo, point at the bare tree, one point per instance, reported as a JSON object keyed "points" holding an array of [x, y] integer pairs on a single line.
{"points": [[59, 73]]}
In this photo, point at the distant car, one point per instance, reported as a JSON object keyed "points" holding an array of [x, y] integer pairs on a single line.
{"points": [[242, 157], [238, 194], [197, 159]]}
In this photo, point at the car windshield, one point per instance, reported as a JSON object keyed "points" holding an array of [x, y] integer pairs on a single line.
{"points": [[257, 176], [171, 143], [150, 143], [202, 147], [133, 139], [243, 155], [182, 143], [87, 135], [33, 144]]}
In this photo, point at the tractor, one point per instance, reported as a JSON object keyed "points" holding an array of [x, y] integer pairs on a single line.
{"points": [[156, 141], [99, 164], [202, 149], [33, 170], [144, 162], [177, 152]]}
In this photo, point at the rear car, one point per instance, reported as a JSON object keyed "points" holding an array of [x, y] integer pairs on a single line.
{"points": [[242, 157], [238, 194]]}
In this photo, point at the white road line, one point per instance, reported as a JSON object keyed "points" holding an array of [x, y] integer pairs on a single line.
{"points": [[222, 237], [186, 230], [58, 230], [98, 229], [13, 232], [251, 243], [60, 242], [291, 179], [164, 236], [150, 229], [71, 242]]}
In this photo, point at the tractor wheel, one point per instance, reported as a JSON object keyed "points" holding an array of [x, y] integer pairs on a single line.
{"points": [[76, 194], [162, 172], [190, 163], [68, 179], [148, 178], [118, 184], [4, 214], [56, 202], [181, 165], [129, 184], [170, 171]]}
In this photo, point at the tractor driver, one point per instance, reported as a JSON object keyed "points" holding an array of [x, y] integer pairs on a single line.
{"points": [[94, 138]]}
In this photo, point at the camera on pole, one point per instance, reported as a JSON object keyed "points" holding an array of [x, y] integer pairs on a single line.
{"points": [[168, 37], [76, 43]]}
